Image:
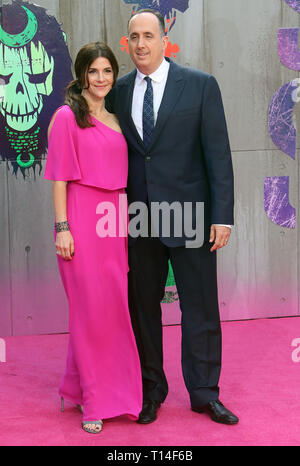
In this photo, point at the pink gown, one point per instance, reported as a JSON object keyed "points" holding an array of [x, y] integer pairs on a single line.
{"points": [[103, 369]]}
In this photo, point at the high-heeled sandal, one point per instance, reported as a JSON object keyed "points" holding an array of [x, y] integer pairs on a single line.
{"points": [[84, 423], [79, 407], [92, 431]]}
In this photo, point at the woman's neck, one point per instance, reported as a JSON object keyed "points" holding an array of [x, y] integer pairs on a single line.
{"points": [[96, 106]]}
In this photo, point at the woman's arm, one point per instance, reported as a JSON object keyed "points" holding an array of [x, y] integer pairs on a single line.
{"points": [[64, 243], [59, 190], [64, 240]]}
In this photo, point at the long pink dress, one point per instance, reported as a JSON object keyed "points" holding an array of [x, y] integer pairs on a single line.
{"points": [[103, 369]]}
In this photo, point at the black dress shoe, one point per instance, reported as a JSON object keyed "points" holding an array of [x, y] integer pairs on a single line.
{"points": [[149, 412], [218, 412]]}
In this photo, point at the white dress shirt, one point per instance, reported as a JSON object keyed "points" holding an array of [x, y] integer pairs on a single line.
{"points": [[159, 80]]}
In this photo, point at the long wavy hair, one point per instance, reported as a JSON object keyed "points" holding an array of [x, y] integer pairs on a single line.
{"points": [[85, 57]]}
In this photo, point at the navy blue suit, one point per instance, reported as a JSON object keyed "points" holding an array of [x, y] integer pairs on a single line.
{"points": [[189, 160]]}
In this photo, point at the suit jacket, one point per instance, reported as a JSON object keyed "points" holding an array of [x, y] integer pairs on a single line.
{"points": [[189, 159]]}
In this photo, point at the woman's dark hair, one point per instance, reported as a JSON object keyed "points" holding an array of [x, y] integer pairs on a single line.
{"points": [[85, 57]]}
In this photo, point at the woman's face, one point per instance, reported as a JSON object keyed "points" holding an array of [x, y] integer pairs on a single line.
{"points": [[100, 77]]}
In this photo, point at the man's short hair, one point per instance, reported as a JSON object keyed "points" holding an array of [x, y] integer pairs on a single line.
{"points": [[155, 13]]}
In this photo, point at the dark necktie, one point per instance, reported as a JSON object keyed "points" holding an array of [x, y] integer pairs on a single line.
{"points": [[148, 113]]}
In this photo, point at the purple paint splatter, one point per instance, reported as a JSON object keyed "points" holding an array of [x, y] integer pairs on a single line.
{"points": [[288, 48], [281, 128], [280, 120], [167, 8], [295, 4], [276, 202]]}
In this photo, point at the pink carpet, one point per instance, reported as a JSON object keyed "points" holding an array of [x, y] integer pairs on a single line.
{"points": [[260, 383]]}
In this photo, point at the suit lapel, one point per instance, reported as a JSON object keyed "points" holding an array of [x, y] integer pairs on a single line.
{"points": [[127, 105], [174, 87]]}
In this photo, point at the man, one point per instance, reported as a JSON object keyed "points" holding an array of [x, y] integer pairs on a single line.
{"points": [[179, 151]]}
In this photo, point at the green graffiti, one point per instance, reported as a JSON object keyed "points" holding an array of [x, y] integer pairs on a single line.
{"points": [[33, 56], [25, 164], [23, 38], [170, 297], [22, 143], [170, 279], [27, 80]]}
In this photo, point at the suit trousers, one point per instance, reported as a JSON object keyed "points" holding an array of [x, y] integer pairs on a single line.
{"points": [[195, 272]]}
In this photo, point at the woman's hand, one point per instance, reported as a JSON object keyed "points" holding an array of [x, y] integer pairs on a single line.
{"points": [[64, 245]]}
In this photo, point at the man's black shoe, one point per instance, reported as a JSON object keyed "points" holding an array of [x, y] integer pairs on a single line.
{"points": [[149, 412], [218, 412]]}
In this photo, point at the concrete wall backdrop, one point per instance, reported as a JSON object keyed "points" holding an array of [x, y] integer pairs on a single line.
{"points": [[236, 41]]}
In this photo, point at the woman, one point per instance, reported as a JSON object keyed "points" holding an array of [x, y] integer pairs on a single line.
{"points": [[88, 163]]}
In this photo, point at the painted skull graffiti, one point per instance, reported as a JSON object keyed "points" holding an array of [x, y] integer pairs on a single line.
{"points": [[35, 67], [25, 84]]}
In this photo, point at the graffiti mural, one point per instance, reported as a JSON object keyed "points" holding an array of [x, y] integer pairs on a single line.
{"points": [[282, 129], [281, 126], [168, 9], [288, 48], [171, 294], [277, 204], [35, 68]]}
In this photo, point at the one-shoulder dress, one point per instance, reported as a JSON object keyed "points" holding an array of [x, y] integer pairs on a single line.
{"points": [[103, 371]]}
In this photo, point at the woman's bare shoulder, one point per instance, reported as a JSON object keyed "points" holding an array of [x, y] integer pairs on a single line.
{"points": [[64, 113]]}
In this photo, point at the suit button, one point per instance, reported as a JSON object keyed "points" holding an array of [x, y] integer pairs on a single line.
{"points": [[148, 158]]}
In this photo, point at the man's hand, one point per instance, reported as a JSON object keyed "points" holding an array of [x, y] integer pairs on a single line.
{"points": [[220, 236]]}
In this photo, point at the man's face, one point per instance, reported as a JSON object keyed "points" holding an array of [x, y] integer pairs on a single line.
{"points": [[146, 44]]}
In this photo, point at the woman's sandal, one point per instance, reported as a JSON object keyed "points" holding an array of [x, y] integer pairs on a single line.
{"points": [[79, 407], [92, 431], [95, 423]]}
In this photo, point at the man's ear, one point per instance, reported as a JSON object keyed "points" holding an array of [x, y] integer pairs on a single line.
{"points": [[165, 41]]}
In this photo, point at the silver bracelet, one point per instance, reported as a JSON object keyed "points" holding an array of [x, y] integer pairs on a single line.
{"points": [[62, 226]]}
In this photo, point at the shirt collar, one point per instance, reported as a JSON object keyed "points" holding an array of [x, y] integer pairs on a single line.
{"points": [[158, 74]]}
